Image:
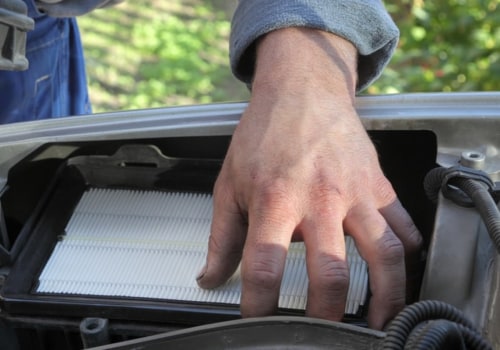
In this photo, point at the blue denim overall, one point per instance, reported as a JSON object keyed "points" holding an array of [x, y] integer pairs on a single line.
{"points": [[55, 83]]}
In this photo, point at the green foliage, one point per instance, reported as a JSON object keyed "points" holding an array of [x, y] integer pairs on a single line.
{"points": [[449, 45], [180, 58], [141, 56]]}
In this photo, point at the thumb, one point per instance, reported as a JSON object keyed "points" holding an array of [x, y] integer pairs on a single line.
{"points": [[225, 245]]}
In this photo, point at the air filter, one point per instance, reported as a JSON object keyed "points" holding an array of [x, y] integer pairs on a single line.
{"points": [[151, 244], [119, 250]]}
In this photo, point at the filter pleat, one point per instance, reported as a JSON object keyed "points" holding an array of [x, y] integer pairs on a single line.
{"points": [[151, 244]]}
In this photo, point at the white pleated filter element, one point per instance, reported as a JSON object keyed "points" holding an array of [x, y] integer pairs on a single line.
{"points": [[152, 244]]}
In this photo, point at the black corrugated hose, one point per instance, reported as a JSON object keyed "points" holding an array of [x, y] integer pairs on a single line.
{"points": [[453, 331], [470, 188], [436, 335], [432, 324]]}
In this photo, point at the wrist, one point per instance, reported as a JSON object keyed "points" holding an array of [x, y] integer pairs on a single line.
{"points": [[305, 61]]}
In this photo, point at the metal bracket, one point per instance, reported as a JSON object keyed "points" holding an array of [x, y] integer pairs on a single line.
{"points": [[14, 23], [462, 266]]}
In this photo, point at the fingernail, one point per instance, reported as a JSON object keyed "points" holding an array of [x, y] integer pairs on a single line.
{"points": [[201, 273]]}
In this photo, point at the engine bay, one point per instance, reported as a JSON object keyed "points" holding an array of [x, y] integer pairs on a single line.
{"points": [[166, 161]]}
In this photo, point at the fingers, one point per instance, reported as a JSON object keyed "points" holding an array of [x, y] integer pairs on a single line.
{"points": [[384, 253], [326, 266], [226, 240], [403, 226], [271, 224]]}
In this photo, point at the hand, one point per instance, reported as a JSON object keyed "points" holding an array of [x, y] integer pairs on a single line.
{"points": [[301, 166]]}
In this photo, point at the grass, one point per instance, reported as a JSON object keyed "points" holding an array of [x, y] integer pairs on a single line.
{"points": [[145, 54]]}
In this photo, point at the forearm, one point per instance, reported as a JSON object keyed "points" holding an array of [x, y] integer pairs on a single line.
{"points": [[365, 23]]}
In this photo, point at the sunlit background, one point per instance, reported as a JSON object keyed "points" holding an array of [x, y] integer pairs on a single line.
{"points": [[144, 54]]}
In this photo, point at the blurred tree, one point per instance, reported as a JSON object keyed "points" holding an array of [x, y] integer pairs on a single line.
{"points": [[449, 45], [149, 53], [152, 53]]}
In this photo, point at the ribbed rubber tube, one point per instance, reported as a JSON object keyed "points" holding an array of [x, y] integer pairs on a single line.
{"points": [[476, 192], [435, 335], [407, 320]]}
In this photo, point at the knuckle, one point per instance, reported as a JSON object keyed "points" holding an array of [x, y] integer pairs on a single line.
{"points": [[328, 288], [327, 198], [223, 191], [261, 277], [328, 185], [274, 200], [214, 244], [385, 191], [414, 239], [327, 194], [396, 299], [263, 273], [390, 250], [219, 246], [333, 274], [273, 191]]}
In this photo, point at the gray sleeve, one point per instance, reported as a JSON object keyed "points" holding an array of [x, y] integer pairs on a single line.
{"points": [[365, 23]]}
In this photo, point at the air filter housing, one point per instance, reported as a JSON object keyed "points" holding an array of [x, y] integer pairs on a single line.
{"points": [[123, 237]]}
